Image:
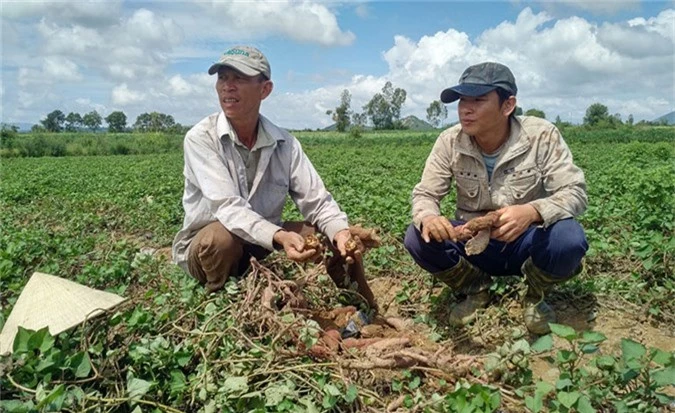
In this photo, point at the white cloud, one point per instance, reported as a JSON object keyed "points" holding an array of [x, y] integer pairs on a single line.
{"points": [[122, 95], [179, 86], [90, 13], [152, 31], [306, 21], [562, 68], [361, 10], [135, 59], [60, 69]]}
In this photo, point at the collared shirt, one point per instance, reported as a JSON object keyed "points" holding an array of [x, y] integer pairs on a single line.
{"points": [[217, 189], [534, 167], [251, 157]]}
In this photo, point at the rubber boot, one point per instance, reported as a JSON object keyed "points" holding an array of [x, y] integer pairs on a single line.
{"points": [[538, 314], [466, 278]]}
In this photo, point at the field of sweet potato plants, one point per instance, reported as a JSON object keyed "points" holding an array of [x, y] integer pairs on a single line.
{"points": [[107, 222]]}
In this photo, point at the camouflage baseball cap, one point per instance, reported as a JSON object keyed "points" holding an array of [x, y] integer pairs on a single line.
{"points": [[245, 59], [480, 79]]}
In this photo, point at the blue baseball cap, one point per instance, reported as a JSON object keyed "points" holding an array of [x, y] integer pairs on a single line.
{"points": [[477, 80]]}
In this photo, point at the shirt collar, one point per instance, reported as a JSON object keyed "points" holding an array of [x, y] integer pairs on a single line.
{"points": [[224, 128]]}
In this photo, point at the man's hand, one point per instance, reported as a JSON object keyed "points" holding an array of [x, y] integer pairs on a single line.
{"points": [[438, 228], [513, 221], [343, 239], [294, 246]]}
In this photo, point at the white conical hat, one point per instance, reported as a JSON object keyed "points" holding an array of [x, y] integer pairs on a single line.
{"points": [[57, 303]]}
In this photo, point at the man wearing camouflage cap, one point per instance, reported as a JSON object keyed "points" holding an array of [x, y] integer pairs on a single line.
{"points": [[239, 169], [519, 167]]}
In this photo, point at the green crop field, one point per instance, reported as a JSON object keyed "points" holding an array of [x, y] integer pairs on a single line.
{"points": [[107, 221]]}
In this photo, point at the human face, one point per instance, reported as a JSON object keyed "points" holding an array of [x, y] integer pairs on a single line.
{"points": [[240, 95], [483, 117]]}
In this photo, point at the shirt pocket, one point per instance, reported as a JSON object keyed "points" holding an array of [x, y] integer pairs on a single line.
{"points": [[524, 183], [468, 191]]}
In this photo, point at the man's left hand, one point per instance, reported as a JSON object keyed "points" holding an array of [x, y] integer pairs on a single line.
{"points": [[513, 221], [341, 239]]}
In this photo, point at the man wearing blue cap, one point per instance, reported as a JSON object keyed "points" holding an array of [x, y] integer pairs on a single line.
{"points": [[519, 167], [239, 170]]}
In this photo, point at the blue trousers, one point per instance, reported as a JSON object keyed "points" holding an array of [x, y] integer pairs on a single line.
{"points": [[558, 250]]}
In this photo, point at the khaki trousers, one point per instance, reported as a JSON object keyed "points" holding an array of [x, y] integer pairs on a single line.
{"points": [[215, 253]]}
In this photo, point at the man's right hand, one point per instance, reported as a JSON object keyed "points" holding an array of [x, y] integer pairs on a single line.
{"points": [[294, 246], [438, 228]]}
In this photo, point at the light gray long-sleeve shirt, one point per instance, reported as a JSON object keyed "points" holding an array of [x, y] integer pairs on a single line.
{"points": [[216, 187]]}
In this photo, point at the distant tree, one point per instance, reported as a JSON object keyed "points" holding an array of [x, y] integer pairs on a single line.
{"points": [[630, 120], [8, 134], [154, 122], [518, 111], [92, 120], [117, 121], [73, 121], [341, 114], [384, 109], [54, 121], [558, 121], [7, 128], [38, 128], [436, 113], [595, 114], [359, 119], [536, 112], [615, 119]]}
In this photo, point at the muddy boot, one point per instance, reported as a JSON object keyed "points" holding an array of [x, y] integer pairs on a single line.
{"points": [[466, 278], [538, 313]]}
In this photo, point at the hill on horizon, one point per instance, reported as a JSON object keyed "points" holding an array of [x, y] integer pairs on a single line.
{"points": [[668, 117]]}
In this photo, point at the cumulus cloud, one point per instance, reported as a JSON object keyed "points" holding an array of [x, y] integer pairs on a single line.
{"points": [[123, 59], [564, 66], [122, 95], [309, 22], [89, 13]]}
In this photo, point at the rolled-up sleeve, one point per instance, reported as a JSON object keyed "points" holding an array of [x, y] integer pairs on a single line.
{"points": [[562, 179], [435, 182], [207, 171], [308, 192]]}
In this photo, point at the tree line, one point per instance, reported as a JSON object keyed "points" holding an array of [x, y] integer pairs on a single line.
{"points": [[56, 121], [383, 111]]}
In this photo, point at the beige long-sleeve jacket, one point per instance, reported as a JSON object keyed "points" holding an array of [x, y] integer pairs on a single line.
{"points": [[216, 187], [535, 167]]}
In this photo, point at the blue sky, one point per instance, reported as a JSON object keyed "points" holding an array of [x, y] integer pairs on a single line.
{"points": [[152, 56]]}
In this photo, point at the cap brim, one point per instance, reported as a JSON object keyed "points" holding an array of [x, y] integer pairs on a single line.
{"points": [[451, 94], [239, 67]]}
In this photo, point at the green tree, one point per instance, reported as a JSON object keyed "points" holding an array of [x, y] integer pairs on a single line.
{"points": [[630, 120], [92, 120], [518, 111], [8, 134], [154, 122], [595, 114], [359, 119], [536, 112], [437, 112], [73, 121], [384, 109], [54, 121], [341, 114], [117, 121]]}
